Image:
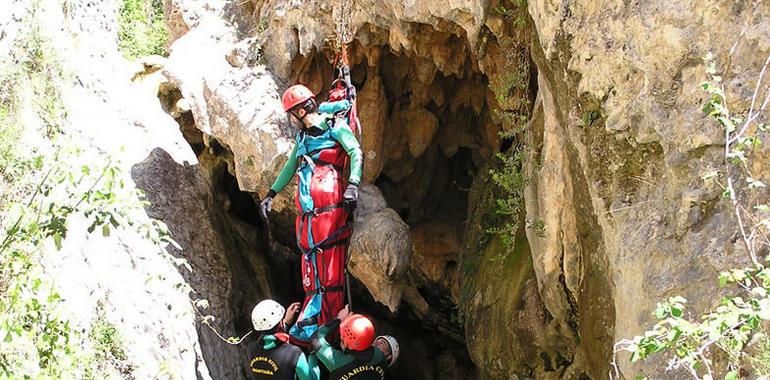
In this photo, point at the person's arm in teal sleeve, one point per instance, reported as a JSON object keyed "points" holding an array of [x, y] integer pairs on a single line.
{"points": [[334, 107], [331, 357], [349, 142], [312, 362], [287, 173], [307, 369]]}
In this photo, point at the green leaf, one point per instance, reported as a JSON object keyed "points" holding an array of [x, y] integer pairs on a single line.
{"points": [[57, 240], [106, 230], [732, 375], [724, 278]]}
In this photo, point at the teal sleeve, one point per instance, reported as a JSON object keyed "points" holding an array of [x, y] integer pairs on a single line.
{"points": [[287, 173], [334, 107], [330, 357], [307, 369], [342, 133]]}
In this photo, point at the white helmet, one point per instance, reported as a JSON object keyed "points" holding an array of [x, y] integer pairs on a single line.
{"points": [[266, 315], [393, 347]]}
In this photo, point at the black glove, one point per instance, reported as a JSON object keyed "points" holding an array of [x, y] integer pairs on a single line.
{"points": [[351, 195], [267, 204]]}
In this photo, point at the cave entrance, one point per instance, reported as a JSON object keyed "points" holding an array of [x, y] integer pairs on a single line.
{"points": [[429, 132], [428, 129], [431, 129]]}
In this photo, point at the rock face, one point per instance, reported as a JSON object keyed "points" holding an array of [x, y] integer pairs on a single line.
{"points": [[622, 141], [233, 101], [295, 29], [381, 249], [616, 145]]}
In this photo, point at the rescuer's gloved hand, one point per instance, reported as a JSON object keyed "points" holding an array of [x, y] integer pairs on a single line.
{"points": [[351, 195], [267, 204]]}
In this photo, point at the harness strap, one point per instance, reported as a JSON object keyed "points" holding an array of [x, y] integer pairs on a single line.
{"points": [[309, 161], [324, 289], [320, 210], [326, 163], [329, 241], [307, 322], [327, 245]]}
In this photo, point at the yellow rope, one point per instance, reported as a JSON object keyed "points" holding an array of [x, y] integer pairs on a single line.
{"points": [[206, 320]]}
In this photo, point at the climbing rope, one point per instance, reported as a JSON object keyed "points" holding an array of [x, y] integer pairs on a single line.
{"points": [[342, 72], [343, 27], [206, 320], [343, 33]]}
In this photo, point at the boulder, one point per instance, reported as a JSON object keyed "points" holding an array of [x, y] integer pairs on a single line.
{"points": [[235, 101], [381, 249]]}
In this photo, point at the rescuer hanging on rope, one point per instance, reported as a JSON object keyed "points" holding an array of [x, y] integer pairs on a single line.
{"points": [[324, 148]]}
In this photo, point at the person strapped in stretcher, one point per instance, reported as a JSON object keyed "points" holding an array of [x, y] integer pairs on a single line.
{"points": [[325, 148]]}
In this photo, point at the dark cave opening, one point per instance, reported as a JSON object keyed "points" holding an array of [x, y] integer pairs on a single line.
{"points": [[429, 133], [434, 134]]}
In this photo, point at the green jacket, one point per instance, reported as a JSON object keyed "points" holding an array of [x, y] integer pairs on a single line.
{"points": [[269, 359], [341, 133], [336, 360]]}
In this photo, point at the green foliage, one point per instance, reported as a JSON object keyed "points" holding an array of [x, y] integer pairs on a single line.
{"points": [[729, 327], [142, 28], [693, 343], [107, 339], [759, 360], [45, 185], [511, 95], [109, 348], [512, 181], [589, 117], [29, 318], [31, 73], [517, 12], [511, 89], [538, 226]]}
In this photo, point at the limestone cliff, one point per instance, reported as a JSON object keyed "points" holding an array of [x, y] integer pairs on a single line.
{"points": [[601, 97]]}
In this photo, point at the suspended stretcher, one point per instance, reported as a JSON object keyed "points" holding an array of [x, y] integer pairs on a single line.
{"points": [[322, 228]]}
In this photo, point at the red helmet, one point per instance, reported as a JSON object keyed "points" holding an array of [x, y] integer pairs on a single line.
{"points": [[295, 95], [357, 332]]}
